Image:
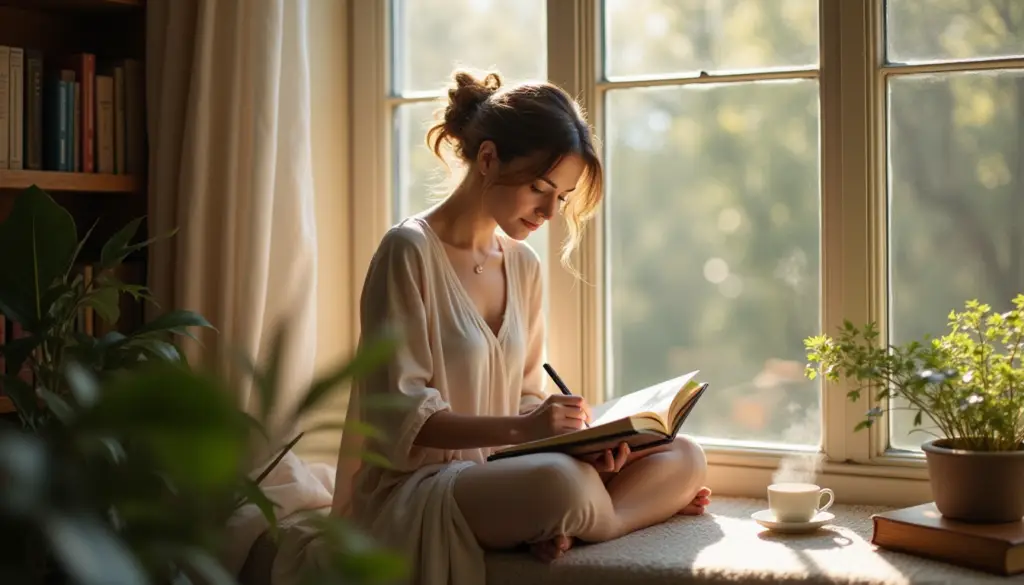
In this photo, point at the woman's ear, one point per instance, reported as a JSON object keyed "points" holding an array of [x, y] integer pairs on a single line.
{"points": [[487, 158]]}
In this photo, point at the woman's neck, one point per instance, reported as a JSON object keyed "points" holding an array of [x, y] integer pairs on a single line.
{"points": [[461, 221]]}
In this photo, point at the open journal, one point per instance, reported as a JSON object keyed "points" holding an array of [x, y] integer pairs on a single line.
{"points": [[643, 419]]}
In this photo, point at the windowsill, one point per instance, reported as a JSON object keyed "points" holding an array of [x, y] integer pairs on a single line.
{"points": [[893, 480]]}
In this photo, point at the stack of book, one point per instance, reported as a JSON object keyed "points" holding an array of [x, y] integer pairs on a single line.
{"points": [[923, 531], [73, 113]]}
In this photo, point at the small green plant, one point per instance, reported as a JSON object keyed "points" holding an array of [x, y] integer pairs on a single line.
{"points": [[969, 382], [42, 292]]}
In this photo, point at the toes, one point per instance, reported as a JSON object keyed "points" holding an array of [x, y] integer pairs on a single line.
{"points": [[704, 492], [693, 510], [553, 549], [543, 551]]}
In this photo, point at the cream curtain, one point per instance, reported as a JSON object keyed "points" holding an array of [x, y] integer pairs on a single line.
{"points": [[230, 167]]}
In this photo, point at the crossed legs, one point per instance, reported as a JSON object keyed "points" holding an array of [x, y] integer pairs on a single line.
{"points": [[547, 499]]}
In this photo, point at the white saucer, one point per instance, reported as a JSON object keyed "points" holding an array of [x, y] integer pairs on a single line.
{"points": [[767, 519]]}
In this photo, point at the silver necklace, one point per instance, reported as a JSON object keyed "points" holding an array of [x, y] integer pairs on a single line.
{"points": [[479, 267]]}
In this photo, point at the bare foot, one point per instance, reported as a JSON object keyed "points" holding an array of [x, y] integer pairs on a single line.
{"points": [[552, 549], [696, 507]]}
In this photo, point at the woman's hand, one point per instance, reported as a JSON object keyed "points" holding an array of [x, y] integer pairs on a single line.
{"points": [[607, 461], [557, 415]]}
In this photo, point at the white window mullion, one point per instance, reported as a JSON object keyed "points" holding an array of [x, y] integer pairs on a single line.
{"points": [[371, 136], [575, 325], [856, 255], [834, 434]]}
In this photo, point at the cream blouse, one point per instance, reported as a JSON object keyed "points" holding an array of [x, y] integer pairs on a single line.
{"points": [[449, 359]]}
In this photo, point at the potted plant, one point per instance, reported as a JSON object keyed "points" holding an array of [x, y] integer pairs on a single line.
{"points": [[125, 464], [969, 382]]}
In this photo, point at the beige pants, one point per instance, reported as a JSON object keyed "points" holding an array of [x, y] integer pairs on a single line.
{"points": [[534, 498]]}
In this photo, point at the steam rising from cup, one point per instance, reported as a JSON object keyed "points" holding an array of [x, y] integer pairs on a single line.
{"points": [[799, 468]]}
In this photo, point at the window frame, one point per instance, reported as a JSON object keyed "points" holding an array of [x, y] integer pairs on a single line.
{"points": [[858, 464]]}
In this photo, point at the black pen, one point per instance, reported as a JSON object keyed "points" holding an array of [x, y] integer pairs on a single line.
{"points": [[561, 385]]}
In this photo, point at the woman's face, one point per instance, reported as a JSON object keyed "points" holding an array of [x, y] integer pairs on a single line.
{"points": [[521, 210]]}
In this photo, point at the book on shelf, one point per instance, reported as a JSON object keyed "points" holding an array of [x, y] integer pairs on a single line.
{"points": [[644, 419], [73, 112], [922, 531]]}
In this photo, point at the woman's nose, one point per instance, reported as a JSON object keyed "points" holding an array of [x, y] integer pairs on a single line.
{"points": [[547, 211]]}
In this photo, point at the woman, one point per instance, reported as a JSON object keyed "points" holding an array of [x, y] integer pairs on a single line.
{"points": [[467, 300]]}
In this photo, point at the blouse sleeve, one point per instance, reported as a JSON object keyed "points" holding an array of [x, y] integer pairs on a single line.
{"points": [[533, 392], [394, 297]]}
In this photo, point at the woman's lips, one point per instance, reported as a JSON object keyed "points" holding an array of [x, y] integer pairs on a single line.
{"points": [[531, 226]]}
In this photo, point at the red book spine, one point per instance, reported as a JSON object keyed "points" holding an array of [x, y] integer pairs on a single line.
{"points": [[88, 112]]}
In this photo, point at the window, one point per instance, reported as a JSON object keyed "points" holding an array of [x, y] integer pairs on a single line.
{"points": [[954, 81], [429, 39], [774, 167], [712, 127]]}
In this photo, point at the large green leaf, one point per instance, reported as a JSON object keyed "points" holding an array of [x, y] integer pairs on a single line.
{"points": [[38, 240], [116, 248], [90, 553], [251, 493], [207, 567], [174, 322], [104, 302], [24, 467], [185, 419]]}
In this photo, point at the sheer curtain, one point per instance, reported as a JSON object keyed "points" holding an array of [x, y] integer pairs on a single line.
{"points": [[228, 99], [230, 168]]}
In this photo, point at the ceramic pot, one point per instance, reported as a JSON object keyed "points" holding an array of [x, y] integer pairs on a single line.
{"points": [[976, 486]]}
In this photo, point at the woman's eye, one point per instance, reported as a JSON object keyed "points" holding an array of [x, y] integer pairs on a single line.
{"points": [[536, 189], [563, 198]]}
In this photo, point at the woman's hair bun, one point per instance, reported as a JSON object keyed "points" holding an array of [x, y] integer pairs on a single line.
{"points": [[466, 98]]}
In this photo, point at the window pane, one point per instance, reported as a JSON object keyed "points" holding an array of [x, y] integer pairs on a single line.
{"points": [[663, 37], [932, 30], [420, 180], [432, 37], [956, 203], [713, 214]]}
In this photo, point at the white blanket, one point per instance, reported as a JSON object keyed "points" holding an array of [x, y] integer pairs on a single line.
{"points": [[297, 488]]}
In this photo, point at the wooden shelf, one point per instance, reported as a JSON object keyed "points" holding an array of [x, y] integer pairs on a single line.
{"points": [[63, 181], [73, 4], [6, 405]]}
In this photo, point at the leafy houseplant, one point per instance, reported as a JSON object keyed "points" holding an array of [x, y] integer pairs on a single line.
{"points": [[137, 482], [124, 464], [969, 382], [41, 291]]}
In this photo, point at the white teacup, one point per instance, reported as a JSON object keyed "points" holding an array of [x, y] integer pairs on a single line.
{"points": [[797, 502]]}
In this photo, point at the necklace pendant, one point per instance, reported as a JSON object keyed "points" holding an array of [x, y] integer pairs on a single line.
{"points": [[478, 269]]}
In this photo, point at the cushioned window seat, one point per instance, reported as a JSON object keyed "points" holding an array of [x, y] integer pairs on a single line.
{"points": [[727, 546]]}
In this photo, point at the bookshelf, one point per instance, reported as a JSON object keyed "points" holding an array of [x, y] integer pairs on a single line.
{"points": [[59, 181], [87, 147]]}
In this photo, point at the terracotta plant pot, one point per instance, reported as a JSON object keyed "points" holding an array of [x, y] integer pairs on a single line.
{"points": [[976, 486]]}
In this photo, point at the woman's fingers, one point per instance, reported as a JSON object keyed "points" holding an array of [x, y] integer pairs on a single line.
{"points": [[569, 417], [585, 408], [621, 456]]}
